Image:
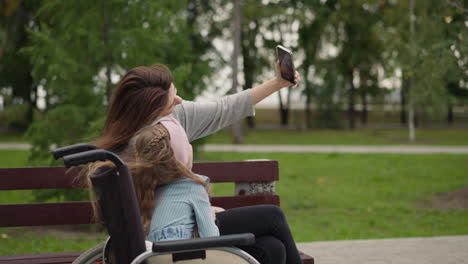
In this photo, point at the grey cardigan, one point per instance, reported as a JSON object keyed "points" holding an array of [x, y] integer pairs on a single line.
{"points": [[201, 119]]}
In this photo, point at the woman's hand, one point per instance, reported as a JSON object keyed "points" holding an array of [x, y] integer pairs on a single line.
{"points": [[285, 83], [265, 89]]}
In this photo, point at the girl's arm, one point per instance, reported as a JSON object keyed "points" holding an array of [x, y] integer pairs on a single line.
{"points": [[201, 206]]}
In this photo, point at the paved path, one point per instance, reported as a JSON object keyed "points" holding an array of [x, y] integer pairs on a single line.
{"points": [[306, 148], [447, 250], [15, 146], [336, 149]]}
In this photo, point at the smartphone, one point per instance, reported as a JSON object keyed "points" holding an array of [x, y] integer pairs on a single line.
{"points": [[286, 63]]}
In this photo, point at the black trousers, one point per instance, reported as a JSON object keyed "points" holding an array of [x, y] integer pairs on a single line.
{"points": [[273, 239]]}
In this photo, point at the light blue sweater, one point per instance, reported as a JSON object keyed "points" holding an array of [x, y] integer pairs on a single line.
{"points": [[179, 206]]}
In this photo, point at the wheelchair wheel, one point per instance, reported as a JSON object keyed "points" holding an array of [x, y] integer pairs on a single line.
{"points": [[92, 255]]}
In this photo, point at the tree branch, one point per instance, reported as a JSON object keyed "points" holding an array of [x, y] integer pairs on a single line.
{"points": [[457, 5]]}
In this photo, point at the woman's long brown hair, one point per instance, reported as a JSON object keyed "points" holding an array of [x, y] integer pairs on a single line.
{"points": [[138, 100]]}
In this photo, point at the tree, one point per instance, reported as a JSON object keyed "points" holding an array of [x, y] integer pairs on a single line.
{"points": [[81, 48], [254, 15], [418, 45], [359, 50], [237, 126], [313, 17], [280, 28], [15, 69]]}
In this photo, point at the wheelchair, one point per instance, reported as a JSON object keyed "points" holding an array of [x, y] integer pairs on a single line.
{"points": [[115, 195]]}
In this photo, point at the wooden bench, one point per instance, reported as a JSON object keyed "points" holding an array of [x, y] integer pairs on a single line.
{"points": [[254, 184]]}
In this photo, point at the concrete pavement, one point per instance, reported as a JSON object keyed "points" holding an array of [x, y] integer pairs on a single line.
{"points": [[335, 149], [447, 250], [14, 146]]}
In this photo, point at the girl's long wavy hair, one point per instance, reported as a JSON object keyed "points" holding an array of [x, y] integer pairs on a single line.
{"points": [[154, 165]]}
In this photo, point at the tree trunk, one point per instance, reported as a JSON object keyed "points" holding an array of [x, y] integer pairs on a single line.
{"points": [[107, 49], [308, 94], [32, 102], [410, 100], [364, 113], [249, 55], [403, 120], [351, 109], [284, 114], [450, 118], [237, 126], [283, 110]]}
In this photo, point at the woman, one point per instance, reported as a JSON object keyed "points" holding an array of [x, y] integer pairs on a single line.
{"points": [[146, 94]]}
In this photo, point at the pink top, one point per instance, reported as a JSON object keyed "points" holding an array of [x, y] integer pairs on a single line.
{"points": [[179, 140]]}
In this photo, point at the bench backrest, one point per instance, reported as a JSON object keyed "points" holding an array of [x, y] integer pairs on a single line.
{"points": [[64, 213]]}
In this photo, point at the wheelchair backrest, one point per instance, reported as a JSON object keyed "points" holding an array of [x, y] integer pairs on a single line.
{"points": [[116, 198]]}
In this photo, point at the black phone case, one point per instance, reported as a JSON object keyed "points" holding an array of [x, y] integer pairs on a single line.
{"points": [[286, 65]]}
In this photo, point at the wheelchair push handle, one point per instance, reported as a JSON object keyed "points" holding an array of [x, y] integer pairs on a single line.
{"points": [[91, 156], [72, 149]]}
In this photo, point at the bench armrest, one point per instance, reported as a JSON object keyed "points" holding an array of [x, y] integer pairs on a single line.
{"points": [[203, 243]]}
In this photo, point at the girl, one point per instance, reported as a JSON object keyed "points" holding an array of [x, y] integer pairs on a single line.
{"points": [[173, 201]]}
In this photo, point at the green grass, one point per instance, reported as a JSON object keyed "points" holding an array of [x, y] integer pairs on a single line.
{"points": [[12, 137], [15, 241], [350, 196], [324, 196], [396, 136], [13, 158], [440, 136]]}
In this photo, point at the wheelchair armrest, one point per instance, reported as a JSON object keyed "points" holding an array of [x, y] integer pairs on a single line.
{"points": [[204, 243]]}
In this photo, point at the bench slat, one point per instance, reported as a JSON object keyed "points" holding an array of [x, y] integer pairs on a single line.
{"points": [[241, 171], [228, 202], [38, 214], [56, 178], [55, 258], [36, 178], [73, 213]]}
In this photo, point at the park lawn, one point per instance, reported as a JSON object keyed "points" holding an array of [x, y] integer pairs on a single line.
{"points": [[396, 136], [324, 196], [363, 196], [12, 137]]}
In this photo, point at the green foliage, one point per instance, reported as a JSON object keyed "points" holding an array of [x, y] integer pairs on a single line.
{"points": [[78, 43], [426, 55], [80, 49], [15, 68], [14, 116]]}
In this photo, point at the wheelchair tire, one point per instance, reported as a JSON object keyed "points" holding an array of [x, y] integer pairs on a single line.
{"points": [[92, 255]]}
